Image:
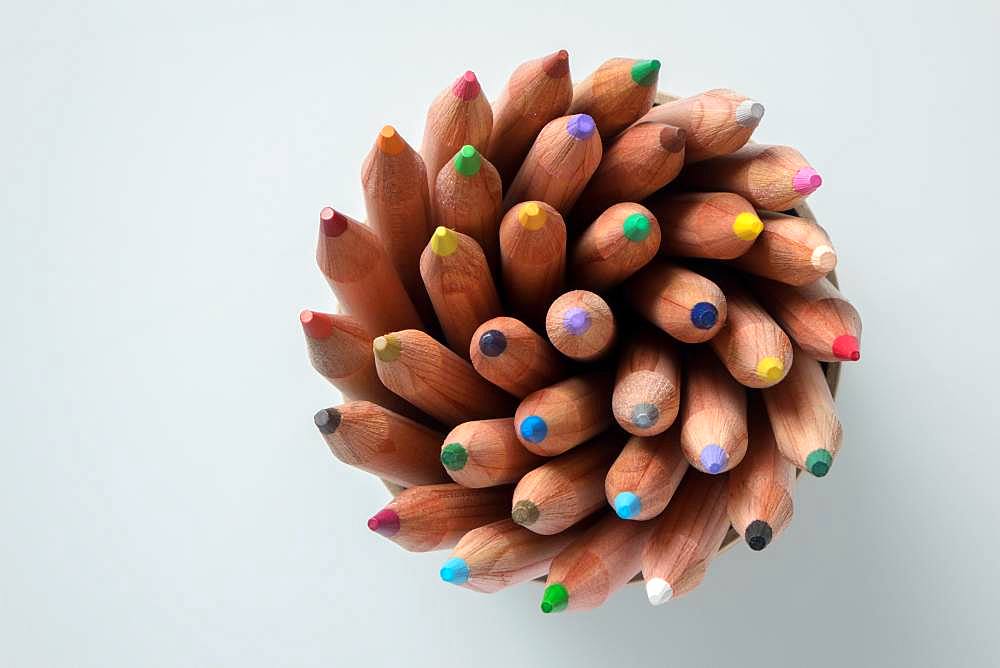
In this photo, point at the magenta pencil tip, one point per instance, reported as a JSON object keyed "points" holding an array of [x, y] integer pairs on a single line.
{"points": [[385, 522], [806, 181], [466, 86]]}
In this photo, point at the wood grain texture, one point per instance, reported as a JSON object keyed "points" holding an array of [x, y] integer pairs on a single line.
{"points": [[718, 226], [470, 204], [564, 415], [612, 97], [790, 249], [717, 122], [581, 326], [713, 413], [485, 453], [620, 242], [671, 297], [514, 357], [454, 121], [647, 390], [532, 259], [649, 468]]}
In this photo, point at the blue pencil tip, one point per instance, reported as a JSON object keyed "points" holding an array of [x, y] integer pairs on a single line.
{"points": [[713, 458], [534, 429], [704, 315], [455, 571], [627, 505]]}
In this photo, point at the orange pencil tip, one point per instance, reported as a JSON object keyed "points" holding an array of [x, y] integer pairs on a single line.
{"points": [[389, 141], [556, 65], [316, 325]]}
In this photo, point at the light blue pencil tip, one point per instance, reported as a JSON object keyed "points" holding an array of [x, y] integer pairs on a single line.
{"points": [[627, 505], [455, 571]]}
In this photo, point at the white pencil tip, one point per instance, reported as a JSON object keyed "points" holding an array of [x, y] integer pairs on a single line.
{"points": [[749, 113], [824, 258], [658, 591]]}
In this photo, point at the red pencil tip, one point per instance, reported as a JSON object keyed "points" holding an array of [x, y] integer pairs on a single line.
{"points": [[557, 64], [332, 222], [385, 523], [316, 325], [466, 86], [847, 348]]}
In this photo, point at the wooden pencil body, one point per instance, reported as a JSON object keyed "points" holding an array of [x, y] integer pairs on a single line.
{"points": [[468, 201], [713, 416], [436, 380], [532, 258], [559, 164], [685, 305], [459, 115], [617, 93], [718, 226], [537, 92], [647, 390], [361, 275], [580, 325], [718, 122], [514, 357], [751, 345], [557, 418], [564, 490], [375, 439], [435, 517], [791, 250], [486, 453], [645, 475], [621, 241]]}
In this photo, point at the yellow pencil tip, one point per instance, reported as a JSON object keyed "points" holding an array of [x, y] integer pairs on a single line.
{"points": [[444, 242], [747, 226], [531, 216], [771, 369], [387, 348]]}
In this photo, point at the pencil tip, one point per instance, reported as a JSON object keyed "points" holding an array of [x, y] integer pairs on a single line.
{"points": [[327, 420], [468, 161], [747, 226], [492, 343], [524, 513], [556, 65], [332, 222], [533, 429], [749, 113], [846, 348], [580, 126], [454, 456], [636, 227], [531, 216], [455, 571], [466, 87], [806, 181], [385, 523], [387, 348], [316, 325], [555, 598], [644, 415], [672, 139], [645, 72], [576, 320], [713, 458], [389, 141], [824, 258], [658, 591], [627, 505], [758, 535], [704, 315], [444, 242], [770, 369], [818, 462]]}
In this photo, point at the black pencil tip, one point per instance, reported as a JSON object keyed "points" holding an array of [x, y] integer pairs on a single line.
{"points": [[327, 420], [758, 535]]}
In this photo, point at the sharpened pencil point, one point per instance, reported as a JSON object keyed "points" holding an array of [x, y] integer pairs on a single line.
{"points": [[747, 226], [645, 72], [389, 141], [454, 456], [327, 420], [492, 343], [466, 87], [524, 513], [455, 571], [555, 598], [531, 216], [824, 258], [556, 65], [576, 321], [468, 161], [658, 591], [385, 523], [673, 139], [580, 126], [534, 429], [387, 348], [806, 181], [713, 458], [770, 369], [818, 462], [627, 505], [704, 315], [636, 227], [846, 348], [758, 535], [644, 415], [332, 222], [749, 113], [444, 242], [316, 325]]}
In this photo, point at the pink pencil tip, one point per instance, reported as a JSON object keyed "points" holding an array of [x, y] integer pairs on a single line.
{"points": [[806, 181], [466, 86], [332, 222], [846, 348], [385, 523]]}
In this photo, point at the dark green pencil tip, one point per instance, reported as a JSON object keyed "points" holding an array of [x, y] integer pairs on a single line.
{"points": [[454, 456], [555, 598], [644, 72], [636, 227], [818, 462]]}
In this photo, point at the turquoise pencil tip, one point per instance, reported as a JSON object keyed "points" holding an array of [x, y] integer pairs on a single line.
{"points": [[627, 505], [455, 571]]}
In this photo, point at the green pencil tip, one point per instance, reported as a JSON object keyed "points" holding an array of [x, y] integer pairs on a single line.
{"points": [[636, 227], [644, 72], [454, 456], [818, 462], [468, 161], [555, 598]]}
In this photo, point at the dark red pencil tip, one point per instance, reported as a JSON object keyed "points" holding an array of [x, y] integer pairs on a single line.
{"points": [[672, 139], [316, 325], [385, 523], [466, 86], [332, 222], [557, 64], [847, 348]]}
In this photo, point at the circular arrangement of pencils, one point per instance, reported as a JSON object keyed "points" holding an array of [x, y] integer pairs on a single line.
{"points": [[588, 332]]}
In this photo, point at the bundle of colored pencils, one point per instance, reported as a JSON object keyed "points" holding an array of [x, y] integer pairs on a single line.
{"points": [[582, 334]]}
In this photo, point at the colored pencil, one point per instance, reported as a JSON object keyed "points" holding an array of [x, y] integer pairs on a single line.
{"points": [[435, 517], [486, 453], [685, 305], [817, 317], [760, 489], [580, 325], [791, 250], [804, 417], [436, 380], [398, 203], [459, 115], [467, 197], [647, 390], [713, 415], [636, 164], [595, 565], [375, 439], [645, 475], [457, 278], [751, 345], [719, 226], [718, 122], [533, 259], [619, 243], [537, 92], [563, 491], [559, 164], [554, 419], [514, 357], [361, 274], [685, 538], [768, 176], [617, 93], [502, 554]]}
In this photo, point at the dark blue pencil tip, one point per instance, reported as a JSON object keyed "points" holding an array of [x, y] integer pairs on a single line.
{"points": [[534, 429], [704, 315], [492, 343]]}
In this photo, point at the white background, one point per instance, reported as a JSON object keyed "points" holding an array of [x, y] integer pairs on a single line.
{"points": [[164, 497]]}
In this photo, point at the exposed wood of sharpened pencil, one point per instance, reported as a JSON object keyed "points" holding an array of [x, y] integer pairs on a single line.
{"points": [[647, 390], [514, 357], [459, 115], [713, 416], [719, 226], [617, 93], [580, 325], [533, 259], [645, 475], [622, 240], [467, 197], [791, 250], [562, 416], [685, 305], [486, 453]]}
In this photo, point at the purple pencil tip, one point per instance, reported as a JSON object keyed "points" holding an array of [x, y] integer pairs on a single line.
{"points": [[576, 321], [581, 126], [713, 458]]}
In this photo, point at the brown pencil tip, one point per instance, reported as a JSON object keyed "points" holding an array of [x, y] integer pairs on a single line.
{"points": [[389, 141], [524, 513], [332, 222], [387, 348], [327, 420], [672, 139], [557, 64], [316, 325]]}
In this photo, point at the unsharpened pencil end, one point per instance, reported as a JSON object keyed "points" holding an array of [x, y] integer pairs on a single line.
{"points": [[556, 65], [316, 325], [758, 535], [580, 126], [713, 458], [492, 343], [806, 181], [455, 571], [444, 242], [673, 139], [819, 462], [454, 456], [627, 505], [389, 141], [332, 222], [704, 315], [658, 591], [645, 72], [824, 259], [576, 321], [644, 415], [847, 348], [531, 216], [524, 513], [770, 369], [533, 429], [636, 227], [385, 523], [327, 420], [466, 87], [749, 113], [747, 226], [387, 348], [555, 598], [468, 161]]}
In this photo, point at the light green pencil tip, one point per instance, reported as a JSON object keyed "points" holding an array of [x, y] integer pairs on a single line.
{"points": [[555, 598], [644, 72], [468, 161]]}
